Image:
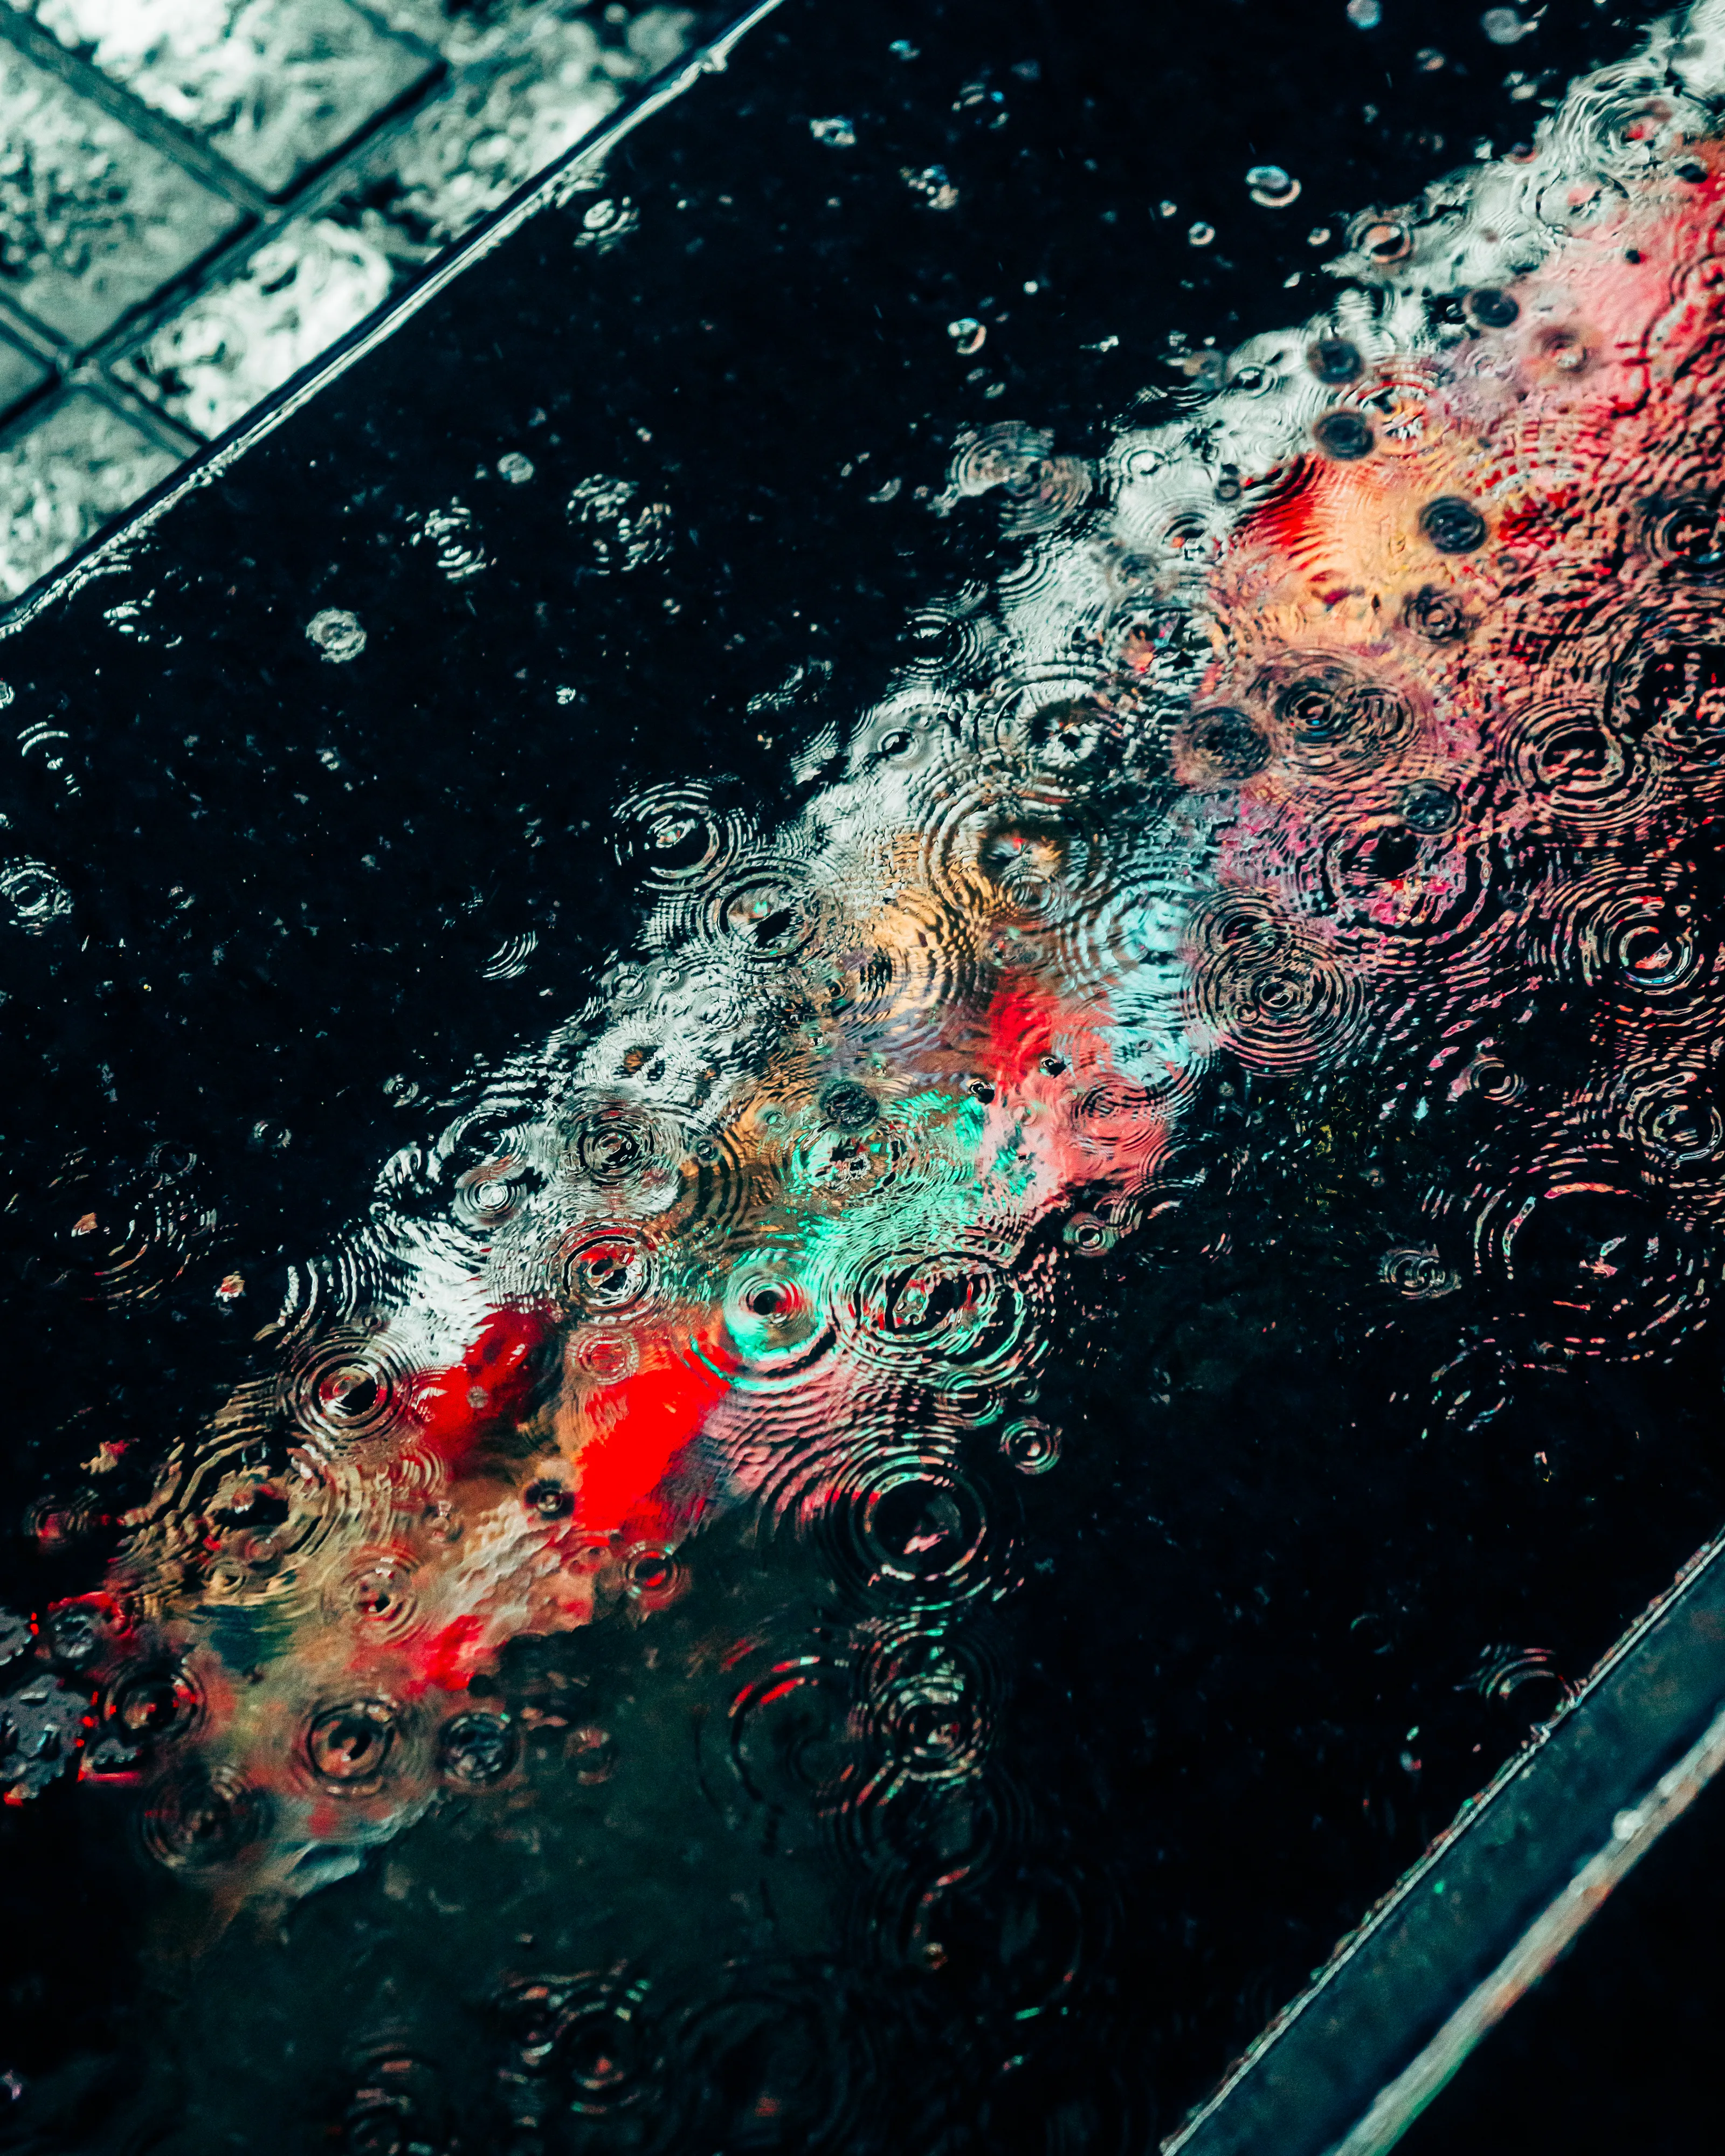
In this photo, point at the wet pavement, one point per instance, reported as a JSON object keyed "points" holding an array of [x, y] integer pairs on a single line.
{"points": [[862, 1095]]}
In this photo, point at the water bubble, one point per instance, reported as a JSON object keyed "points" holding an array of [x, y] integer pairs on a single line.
{"points": [[607, 1273], [1492, 308], [777, 1317], [1365, 14], [934, 185], [348, 1746], [1200, 234], [477, 1749], [1266, 988], [606, 223], [1344, 435], [605, 1359], [202, 1821], [1503, 26], [1331, 719], [633, 1158], [347, 1387], [487, 1195], [1218, 746], [1384, 241], [514, 467], [1090, 1235], [1334, 360], [1272, 186], [1429, 809], [912, 1528], [836, 134], [586, 2037], [376, 1593], [452, 533], [1031, 1446], [79, 1631], [1417, 1273], [967, 334], [1453, 526], [154, 1704], [338, 634], [930, 1702], [620, 533], [652, 1577], [1437, 614], [37, 896], [849, 1105]]}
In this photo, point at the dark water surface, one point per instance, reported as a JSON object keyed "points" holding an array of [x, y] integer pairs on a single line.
{"points": [[650, 498]]}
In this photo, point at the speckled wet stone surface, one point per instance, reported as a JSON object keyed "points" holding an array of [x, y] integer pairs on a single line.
{"points": [[95, 220]]}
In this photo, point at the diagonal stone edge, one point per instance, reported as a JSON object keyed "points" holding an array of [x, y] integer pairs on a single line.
{"points": [[1345, 2068]]}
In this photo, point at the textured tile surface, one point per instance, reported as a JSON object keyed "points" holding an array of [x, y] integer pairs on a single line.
{"points": [[275, 86], [237, 342], [92, 220], [464, 154], [63, 475], [99, 217]]}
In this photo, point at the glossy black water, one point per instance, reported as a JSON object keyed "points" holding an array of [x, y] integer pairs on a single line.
{"points": [[1256, 1576]]}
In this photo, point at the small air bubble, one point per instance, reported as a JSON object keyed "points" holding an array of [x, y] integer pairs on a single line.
{"points": [[1272, 187], [338, 634], [1503, 26]]}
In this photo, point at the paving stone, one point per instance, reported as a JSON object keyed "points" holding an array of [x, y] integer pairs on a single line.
{"points": [[96, 221], [275, 86], [496, 127], [234, 344], [63, 475], [92, 220], [466, 32]]}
